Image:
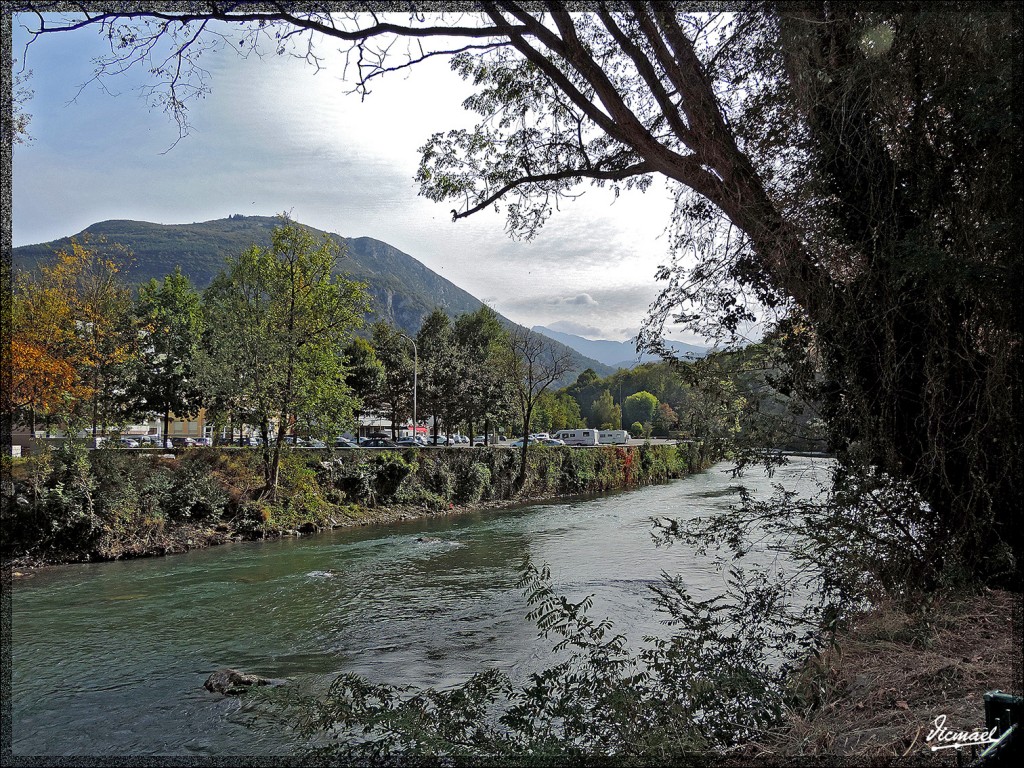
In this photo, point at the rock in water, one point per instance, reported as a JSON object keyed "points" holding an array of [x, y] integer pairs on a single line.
{"points": [[231, 682]]}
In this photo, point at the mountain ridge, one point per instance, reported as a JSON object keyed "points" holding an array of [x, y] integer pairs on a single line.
{"points": [[403, 290], [617, 354]]}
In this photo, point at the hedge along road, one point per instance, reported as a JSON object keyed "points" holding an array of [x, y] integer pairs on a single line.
{"points": [[110, 658]]}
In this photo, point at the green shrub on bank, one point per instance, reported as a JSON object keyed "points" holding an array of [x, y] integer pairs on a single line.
{"points": [[578, 472], [49, 507], [437, 477], [472, 483], [70, 502]]}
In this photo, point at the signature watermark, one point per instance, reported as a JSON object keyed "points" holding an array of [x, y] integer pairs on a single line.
{"points": [[945, 738]]}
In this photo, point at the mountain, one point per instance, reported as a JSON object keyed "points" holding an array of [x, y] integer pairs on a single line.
{"points": [[617, 354], [403, 291]]}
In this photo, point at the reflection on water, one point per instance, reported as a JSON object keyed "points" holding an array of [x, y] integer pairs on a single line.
{"points": [[111, 657]]}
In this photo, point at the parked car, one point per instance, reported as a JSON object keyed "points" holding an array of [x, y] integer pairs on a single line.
{"points": [[204, 441], [185, 442], [409, 442], [150, 441], [540, 436], [519, 443], [378, 442], [303, 442], [552, 441], [341, 442], [479, 440], [126, 442]]}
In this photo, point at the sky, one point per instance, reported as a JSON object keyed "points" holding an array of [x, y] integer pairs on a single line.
{"points": [[274, 135]]}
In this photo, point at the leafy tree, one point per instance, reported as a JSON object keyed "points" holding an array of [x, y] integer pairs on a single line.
{"points": [[605, 414], [438, 376], [586, 390], [713, 410], [73, 340], [665, 420], [45, 377], [556, 411], [278, 323], [170, 317], [394, 353], [641, 406], [586, 378], [364, 376], [484, 393]]}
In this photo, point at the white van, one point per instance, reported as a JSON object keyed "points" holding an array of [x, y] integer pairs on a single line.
{"points": [[577, 436], [613, 437]]}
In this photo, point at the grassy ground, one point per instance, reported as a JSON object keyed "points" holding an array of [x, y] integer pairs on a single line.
{"points": [[873, 698]]}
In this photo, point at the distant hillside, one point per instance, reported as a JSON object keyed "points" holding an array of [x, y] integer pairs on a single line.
{"points": [[403, 290], [617, 354]]}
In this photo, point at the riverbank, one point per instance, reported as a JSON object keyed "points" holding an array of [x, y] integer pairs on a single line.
{"points": [[73, 505], [874, 696]]}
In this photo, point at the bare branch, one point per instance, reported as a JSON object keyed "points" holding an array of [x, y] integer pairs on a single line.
{"points": [[573, 173]]}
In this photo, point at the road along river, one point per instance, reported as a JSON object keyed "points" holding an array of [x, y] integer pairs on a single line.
{"points": [[110, 658]]}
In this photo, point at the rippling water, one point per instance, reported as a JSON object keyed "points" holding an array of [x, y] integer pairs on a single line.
{"points": [[110, 658]]}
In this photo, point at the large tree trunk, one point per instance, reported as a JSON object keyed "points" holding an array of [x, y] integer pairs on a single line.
{"points": [[915, 397]]}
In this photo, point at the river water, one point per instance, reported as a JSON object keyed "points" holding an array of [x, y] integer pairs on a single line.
{"points": [[110, 658]]}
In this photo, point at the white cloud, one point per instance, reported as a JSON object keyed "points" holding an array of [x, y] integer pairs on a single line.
{"points": [[578, 329], [579, 300], [272, 136]]}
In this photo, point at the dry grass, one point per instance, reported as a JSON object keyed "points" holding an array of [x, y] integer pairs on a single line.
{"points": [[872, 699]]}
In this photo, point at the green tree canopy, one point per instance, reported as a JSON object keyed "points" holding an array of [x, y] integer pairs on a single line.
{"points": [[439, 370], [364, 376], [170, 316], [278, 321], [395, 353], [640, 406], [556, 411], [484, 392], [605, 413]]}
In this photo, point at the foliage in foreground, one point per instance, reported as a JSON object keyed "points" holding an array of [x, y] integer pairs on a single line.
{"points": [[722, 678], [717, 680], [864, 538]]}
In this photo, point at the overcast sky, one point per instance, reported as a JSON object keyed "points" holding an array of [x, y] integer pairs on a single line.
{"points": [[275, 136]]}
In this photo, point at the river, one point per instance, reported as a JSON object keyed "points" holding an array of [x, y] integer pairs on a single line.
{"points": [[110, 658]]}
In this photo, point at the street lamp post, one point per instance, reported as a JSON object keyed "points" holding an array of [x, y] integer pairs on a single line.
{"points": [[415, 366]]}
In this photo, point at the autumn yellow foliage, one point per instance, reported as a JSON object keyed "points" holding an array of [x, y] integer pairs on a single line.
{"points": [[66, 329]]}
